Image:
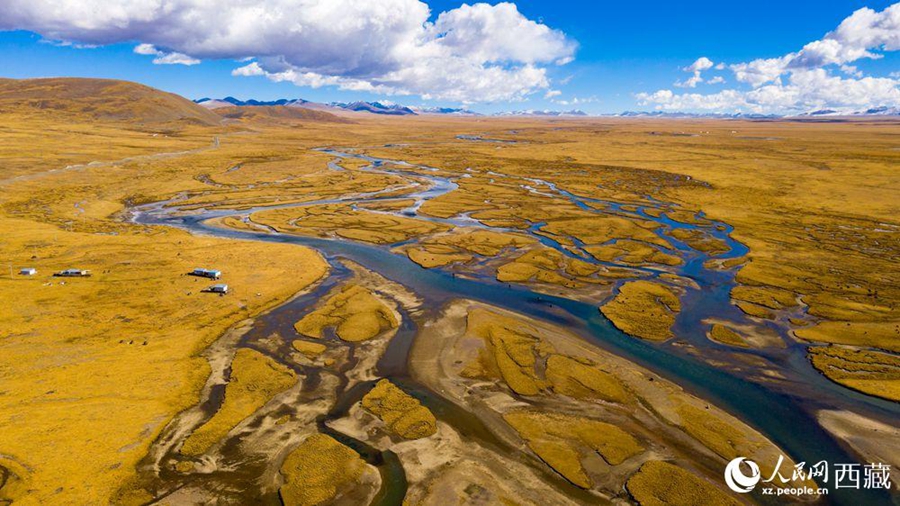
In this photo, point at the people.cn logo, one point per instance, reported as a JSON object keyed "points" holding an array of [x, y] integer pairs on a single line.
{"points": [[737, 480]]}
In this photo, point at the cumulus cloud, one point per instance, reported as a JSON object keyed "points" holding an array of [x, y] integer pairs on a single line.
{"points": [[164, 58], [475, 52], [701, 64], [804, 90], [696, 68], [806, 79]]}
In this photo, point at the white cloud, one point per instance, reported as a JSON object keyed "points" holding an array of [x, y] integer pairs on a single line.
{"points": [[164, 58], [851, 70], [552, 93], [805, 90], [576, 101], [476, 52], [701, 64], [690, 82], [805, 79]]}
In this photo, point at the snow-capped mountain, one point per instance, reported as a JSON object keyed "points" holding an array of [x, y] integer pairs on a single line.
{"points": [[543, 113], [215, 103], [451, 111], [375, 108], [677, 114], [872, 111]]}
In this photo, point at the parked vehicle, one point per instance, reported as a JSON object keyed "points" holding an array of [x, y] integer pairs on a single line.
{"points": [[207, 273], [220, 289], [73, 273]]}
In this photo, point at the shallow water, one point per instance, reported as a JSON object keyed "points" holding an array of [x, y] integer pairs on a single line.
{"points": [[783, 412]]}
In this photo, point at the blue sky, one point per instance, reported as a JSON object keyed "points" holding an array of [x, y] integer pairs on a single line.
{"points": [[623, 49]]}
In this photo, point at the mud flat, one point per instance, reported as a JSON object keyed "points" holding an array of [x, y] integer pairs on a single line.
{"points": [[873, 441], [534, 386]]}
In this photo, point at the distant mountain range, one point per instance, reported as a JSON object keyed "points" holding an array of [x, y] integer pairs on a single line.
{"points": [[713, 115], [873, 111], [391, 109], [359, 106], [375, 108], [545, 113]]}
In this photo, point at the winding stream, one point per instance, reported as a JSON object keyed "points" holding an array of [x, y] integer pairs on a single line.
{"points": [[783, 411]]}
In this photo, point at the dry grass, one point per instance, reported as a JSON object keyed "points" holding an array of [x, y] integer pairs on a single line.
{"points": [[644, 309], [715, 433], [255, 378], [355, 314], [725, 335], [548, 266], [660, 483], [817, 207], [318, 470], [560, 441], [343, 221], [462, 245], [632, 253], [511, 350], [311, 350], [870, 372], [583, 380], [884, 335], [401, 412], [699, 240]]}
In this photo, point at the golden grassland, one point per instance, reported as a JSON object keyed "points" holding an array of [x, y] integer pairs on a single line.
{"points": [[870, 372], [318, 470], [551, 387], [815, 203], [462, 245], [509, 353], [401, 412], [644, 309], [255, 378], [547, 266], [660, 483], [119, 349], [560, 441], [311, 350], [342, 220], [582, 379], [355, 313], [632, 253], [725, 335]]}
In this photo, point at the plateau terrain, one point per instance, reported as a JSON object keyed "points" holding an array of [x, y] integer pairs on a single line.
{"points": [[437, 308]]}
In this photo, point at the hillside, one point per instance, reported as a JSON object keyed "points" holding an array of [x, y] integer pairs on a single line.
{"points": [[99, 99], [277, 113]]}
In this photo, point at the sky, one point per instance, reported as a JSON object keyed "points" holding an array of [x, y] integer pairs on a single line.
{"points": [[598, 57]]}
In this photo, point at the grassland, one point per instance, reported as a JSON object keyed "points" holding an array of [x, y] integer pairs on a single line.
{"points": [[354, 313], [725, 335], [119, 354], [318, 470], [560, 440], [644, 309], [254, 380], [660, 483], [870, 372], [402, 413], [591, 417], [343, 221]]}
